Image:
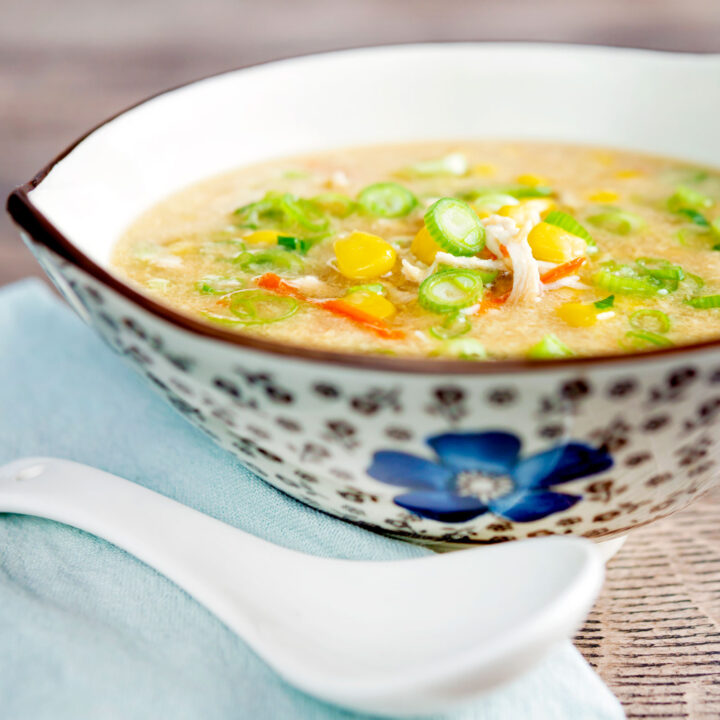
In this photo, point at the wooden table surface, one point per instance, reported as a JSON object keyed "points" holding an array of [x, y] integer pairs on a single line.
{"points": [[654, 635]]}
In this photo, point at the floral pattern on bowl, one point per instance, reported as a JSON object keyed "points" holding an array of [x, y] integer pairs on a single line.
{"points": [[481, 472]]}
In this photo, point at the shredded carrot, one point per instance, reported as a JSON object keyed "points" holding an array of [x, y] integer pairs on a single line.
{"points": [[505, 252], [274, 283], [491, 301], [561, 271], [379, 327]]}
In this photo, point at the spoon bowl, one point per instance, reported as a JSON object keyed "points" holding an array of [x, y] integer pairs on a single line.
{"points": [[397, 637]]}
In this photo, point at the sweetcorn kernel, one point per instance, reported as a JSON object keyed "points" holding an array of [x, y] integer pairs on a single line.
{"points": [[577, 314], [629, 174], [262, 237], [553, 244], [424, 247], [363, 256], [532, 180], [371, 303], [603, 196]]}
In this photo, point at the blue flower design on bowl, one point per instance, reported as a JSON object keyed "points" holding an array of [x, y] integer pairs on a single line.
{"points": [[483, 472]]}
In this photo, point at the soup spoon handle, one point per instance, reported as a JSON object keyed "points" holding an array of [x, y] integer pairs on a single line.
{"points": [[190, 548]]}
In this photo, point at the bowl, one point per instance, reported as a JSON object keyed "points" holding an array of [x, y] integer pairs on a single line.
{"points": [[434, 450]]}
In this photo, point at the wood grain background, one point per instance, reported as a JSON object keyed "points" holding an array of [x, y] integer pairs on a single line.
{"points": [[654, 635]]}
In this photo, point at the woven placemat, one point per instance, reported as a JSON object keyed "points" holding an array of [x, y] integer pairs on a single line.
{"points": [[654, 634]]}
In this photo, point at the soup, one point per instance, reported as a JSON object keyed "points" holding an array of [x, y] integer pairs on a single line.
{"points": [[473, 250]]}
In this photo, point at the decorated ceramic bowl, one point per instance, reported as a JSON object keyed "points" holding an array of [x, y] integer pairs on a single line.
{"points": [[435, 450]]}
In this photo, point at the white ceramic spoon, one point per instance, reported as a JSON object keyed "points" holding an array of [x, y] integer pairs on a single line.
{"points": [[398, 637]]}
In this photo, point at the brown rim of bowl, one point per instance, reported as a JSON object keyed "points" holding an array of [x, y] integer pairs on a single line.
{"points": [[41, 230]]}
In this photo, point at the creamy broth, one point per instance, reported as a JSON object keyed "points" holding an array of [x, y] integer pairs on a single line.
{"points": [[566, 249]]}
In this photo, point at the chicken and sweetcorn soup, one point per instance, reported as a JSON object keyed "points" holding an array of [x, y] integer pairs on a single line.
{"points": [[474, 250]]}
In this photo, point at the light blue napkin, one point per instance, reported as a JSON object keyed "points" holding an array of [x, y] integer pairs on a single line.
{"points": [[87, 631]]}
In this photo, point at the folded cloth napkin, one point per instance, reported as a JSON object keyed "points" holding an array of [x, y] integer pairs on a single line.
{"points": [[88, 632]]}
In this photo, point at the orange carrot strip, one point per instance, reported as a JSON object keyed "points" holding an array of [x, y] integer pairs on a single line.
{"points": [[379, 327], [505, 252], [274, 283], [491, 301], [562, 271]]}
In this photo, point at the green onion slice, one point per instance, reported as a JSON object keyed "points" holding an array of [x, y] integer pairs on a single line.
{"points": [[492, 202], [694, 217], [454, 325], [387, 199], [449, 290], [640, 339], [335, 204], [660, 320], [715, 226], [453, 164], [525, 192], [704, 302], [284, 211], [569, 224], [273, 258], [626, 284], [217, 285], [548, 348], [686, 198], [617, 221], [302, 245], [257, 307], [465, 349], [606, 303], [455, 227]]}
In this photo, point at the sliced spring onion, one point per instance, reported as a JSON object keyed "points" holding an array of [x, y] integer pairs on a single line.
{"points": [[387, 199], [289, 242], [606, 303], [660, 320], [335, 204], [465, 349], [686, 198], [453, 164], [525, 192], [284, 211], [449, 290], [715, 226], [640, 339], [377, 288], [455, 227], [696, 280], [669, 275], [704, 302], [694, 217], [492, 202], [569, 224], [626, 284], [453, 326], [549, 347], [277, 258], [617, 221], [257, 307]]}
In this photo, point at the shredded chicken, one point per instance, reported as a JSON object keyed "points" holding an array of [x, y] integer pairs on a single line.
{"points": [[472, 263], [339, 179], [526, 273], [412, 272], [499, 230]]}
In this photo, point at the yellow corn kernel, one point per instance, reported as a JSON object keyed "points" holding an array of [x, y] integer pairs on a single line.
{"points": [[483, 169], [532, 180], [522, 212], [371, 303], [424, 247], [603, 196], [577, 314], [629, 174], [363, 256], [262, 237], [553, 244]]}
